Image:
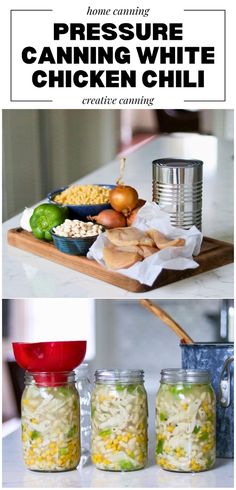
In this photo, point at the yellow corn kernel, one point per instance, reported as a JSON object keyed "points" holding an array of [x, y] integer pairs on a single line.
{"points": [[194, 465], [140, 458], [179, 451], [129, 452], [106, 461], [162, 461], [206, 448], [169, 428], [170, 466]]}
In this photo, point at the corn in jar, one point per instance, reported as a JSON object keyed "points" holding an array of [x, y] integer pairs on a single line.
{"points": [[50, 414], [185, 421], [119, 420]]}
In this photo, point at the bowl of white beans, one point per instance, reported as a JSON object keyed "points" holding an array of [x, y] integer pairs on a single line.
{"points": [[75, 237]]}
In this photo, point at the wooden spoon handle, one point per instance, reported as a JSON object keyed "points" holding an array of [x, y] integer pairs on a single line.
{"points": [[156, 310]]}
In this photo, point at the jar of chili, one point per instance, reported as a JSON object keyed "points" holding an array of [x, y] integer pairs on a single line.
{"points": [[119, 420], [185, 421]]}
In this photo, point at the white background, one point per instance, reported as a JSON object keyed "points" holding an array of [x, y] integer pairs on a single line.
{"points": [[36, 29]]}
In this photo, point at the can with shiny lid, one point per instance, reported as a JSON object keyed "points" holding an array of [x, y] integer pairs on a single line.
{"points": [[177, 189]]}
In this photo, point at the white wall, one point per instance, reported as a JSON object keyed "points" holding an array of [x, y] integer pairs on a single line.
{"points": [[47, 149]]}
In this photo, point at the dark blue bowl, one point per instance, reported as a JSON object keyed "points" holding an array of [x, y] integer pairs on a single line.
{"points": [[81, 210], [73, 245]]}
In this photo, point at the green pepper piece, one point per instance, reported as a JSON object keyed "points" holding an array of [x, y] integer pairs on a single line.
{"points": [[196, 429], [159, 446], [181, 389], [62, 390], [105, 432], [120, 387], [163, 417], [45, 217], [204, 436], [35, 434], [72, 431], [126, 465], [131, 388], [65, 390], [93, 410], [63, 451], [140, 390], [210, 462]]}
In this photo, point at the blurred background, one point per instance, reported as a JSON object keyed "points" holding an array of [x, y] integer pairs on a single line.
{"points": [[48, 149], [120, 334]]}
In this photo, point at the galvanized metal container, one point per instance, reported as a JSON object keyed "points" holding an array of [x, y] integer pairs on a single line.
{"points": [[177, 189], [218, 359]]}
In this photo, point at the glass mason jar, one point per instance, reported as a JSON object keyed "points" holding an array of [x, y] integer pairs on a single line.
{"points": [[50, 415], [119, 420], [84, 388], [185, 421]]}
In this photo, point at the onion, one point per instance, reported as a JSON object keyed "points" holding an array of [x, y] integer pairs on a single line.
{"points": [[109, 218], [25, 219], [135, 211], [123, 198]]}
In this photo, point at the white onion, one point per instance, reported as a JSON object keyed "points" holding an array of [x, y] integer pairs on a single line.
{"points": [[25, 219]]}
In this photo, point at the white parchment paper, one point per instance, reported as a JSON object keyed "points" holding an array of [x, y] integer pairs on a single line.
{"points": [[179, 258]]}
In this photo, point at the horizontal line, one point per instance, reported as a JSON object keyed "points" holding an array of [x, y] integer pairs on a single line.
{"points": [[24, 100], [211, 100], [31, 10], [204, 10]]}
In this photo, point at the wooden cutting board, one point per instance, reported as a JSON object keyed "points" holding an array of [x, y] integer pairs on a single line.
{"points": [[214, 253]]}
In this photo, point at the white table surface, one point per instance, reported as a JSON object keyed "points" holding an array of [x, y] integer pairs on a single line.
{"points": [[26, 275], [15, 475]]}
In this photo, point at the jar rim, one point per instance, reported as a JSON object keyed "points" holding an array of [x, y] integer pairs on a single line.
{"points": [[179, 375], [49, 378], [124, 376]]}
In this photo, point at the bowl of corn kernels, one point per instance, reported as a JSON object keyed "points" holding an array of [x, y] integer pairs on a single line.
{"points": [[82, 200]]}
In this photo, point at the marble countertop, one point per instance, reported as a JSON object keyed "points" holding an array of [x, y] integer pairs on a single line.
{"points": [[26, 275], [15, 475]]}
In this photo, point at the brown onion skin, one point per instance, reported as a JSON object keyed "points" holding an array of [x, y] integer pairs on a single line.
{"points": [[123, 199], [133, 214], [109, 218]]}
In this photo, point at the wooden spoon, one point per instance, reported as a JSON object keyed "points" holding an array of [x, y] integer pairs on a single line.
{"points": [[156, 310]]}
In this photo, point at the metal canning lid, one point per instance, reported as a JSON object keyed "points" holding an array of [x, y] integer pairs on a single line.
{"points": [[172, 376], [126, 376]]}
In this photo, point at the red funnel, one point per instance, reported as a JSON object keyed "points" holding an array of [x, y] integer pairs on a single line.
{"points": [[49, 357]]}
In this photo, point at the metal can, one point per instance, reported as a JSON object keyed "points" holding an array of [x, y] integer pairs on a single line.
{"points": [[177, 189]]}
